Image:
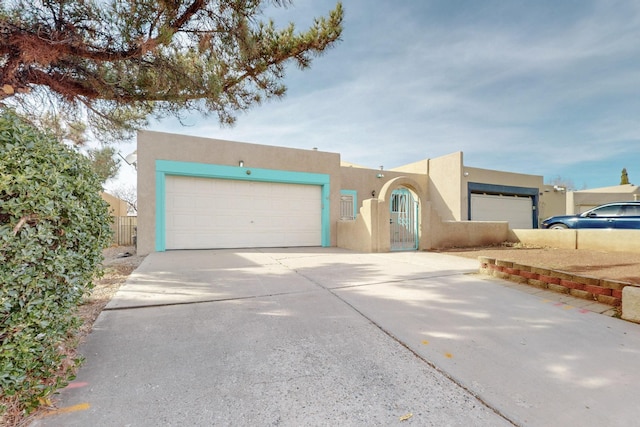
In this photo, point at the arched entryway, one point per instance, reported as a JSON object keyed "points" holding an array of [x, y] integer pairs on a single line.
{"points": [[400, 212]]}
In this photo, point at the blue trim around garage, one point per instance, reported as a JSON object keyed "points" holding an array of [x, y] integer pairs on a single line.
{"points": [[203, 170], [506, 190]]}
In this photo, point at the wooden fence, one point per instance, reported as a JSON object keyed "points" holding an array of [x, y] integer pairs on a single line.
{"points": [[124, 230]]}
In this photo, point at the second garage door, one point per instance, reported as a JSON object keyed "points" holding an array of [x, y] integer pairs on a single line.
{"points": [[516, 210], [206, 213]]}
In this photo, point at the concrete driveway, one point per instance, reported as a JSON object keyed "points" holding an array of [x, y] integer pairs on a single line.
{"points": [[324, 336]]}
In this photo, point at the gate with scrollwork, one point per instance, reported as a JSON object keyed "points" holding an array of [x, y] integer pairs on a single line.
{"points": [[403, 221]]}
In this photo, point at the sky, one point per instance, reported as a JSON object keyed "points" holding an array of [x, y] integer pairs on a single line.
{"points": [[546, 87]]}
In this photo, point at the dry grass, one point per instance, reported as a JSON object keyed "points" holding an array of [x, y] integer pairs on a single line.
{"points": [[117, 269], [105, 288], [13, 416]]}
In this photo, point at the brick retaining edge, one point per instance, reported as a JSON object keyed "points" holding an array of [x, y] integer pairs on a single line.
{"points": [[605, 291]]}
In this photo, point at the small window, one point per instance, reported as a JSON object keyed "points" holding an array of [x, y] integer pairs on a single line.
{"points": [[398, 203], [631, 210], [605, 211], [348, 206]]}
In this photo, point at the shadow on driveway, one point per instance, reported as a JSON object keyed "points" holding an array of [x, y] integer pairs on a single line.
{"points": [[324, 336]]}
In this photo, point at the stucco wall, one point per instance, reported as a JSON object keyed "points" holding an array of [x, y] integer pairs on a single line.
{"points": [[452, 234], [440, 184], [511, 179], [445, 186], [420, 167], [154, 146], [487, 176], [359, 235], [552, 202], [117, 207], [581, 201], [563, 239], [609, 240], [449, 179], [365, 181], [370, 231]]}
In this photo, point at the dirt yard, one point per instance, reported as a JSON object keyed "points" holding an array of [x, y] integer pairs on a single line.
{"points": [[624, 266], [119, 262]]}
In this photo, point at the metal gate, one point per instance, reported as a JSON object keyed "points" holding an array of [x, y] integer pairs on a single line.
{"points": [[403, 222], [124, 230]]}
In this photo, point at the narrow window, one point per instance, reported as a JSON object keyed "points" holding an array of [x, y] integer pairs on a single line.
{"points": [[348, 205]]}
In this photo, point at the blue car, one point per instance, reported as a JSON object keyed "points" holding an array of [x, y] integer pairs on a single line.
{"points": [[611, 215]]}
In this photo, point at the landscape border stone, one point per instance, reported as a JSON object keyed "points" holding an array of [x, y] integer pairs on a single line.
{"points": [[605, 291]]}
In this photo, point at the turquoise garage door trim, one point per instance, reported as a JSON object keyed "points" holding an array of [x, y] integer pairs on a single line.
{"points": [[235, 177]]}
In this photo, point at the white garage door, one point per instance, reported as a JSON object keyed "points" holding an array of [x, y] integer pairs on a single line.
{"points": [[517, 210], [204, 213]]}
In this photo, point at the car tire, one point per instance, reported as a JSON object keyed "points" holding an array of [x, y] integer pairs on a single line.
{"points": [[558, 227]]}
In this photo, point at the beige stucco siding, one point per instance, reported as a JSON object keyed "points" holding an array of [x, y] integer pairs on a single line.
{"points": [[580, 201], [499, 178], [552, 202], [487, 176], [420, 167], [367, 184], [445, 186], [441, 185], [117, 207], [154, 146]]}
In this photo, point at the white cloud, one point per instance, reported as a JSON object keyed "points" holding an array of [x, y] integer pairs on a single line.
{"points": [[517, 86]]}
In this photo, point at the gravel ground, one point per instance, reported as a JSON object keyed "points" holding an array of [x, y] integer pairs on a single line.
{"points": [[624, 266]]}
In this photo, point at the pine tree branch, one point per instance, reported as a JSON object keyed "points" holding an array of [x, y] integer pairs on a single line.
{"points": [[141, 57]]}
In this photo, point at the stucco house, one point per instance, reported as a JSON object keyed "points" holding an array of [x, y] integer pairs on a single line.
{"points": [[197, 193], [583, 200], [117, 206]]}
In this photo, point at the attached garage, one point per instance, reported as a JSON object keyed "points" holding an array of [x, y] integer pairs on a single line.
{"points": [[516, 205], [204, 193], [515, 210], [206, 213], [206, 206]]}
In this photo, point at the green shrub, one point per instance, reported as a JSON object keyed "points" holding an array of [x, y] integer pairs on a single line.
{"points": [[53, 227]]}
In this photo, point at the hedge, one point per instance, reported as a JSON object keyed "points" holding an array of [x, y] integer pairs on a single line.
{"points": [[53, 227]]}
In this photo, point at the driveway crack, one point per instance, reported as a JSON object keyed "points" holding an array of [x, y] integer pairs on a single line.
{"points": [[204, 301]]}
